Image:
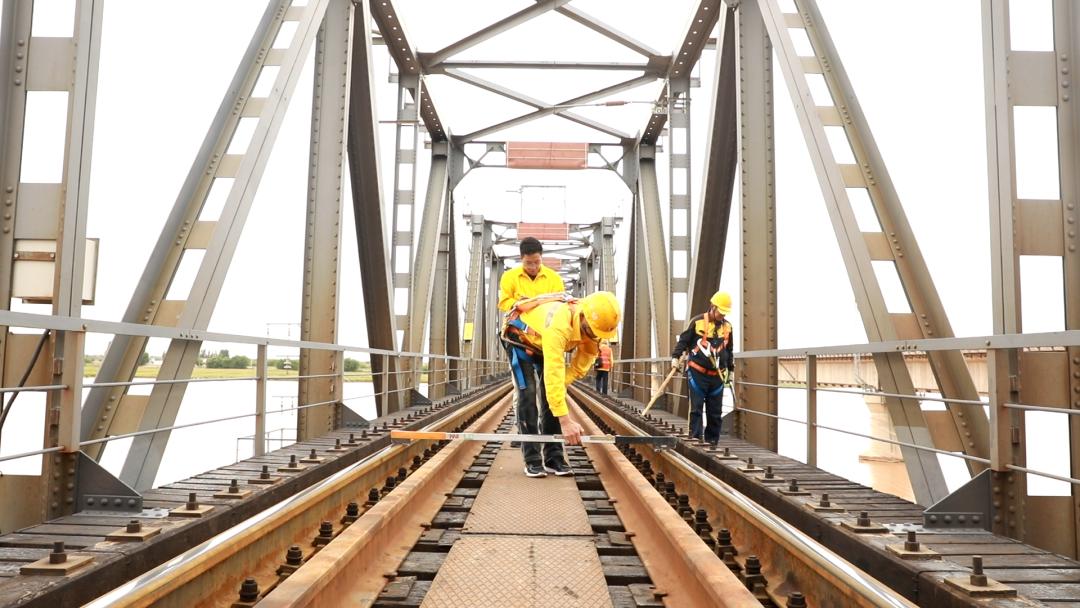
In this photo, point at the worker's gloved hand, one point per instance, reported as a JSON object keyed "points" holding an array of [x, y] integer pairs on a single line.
{"points": [[727, 376], [571, 430], [677, 364]]}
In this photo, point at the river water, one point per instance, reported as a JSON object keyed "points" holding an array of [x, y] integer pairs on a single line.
{"points": [[198, 449]]}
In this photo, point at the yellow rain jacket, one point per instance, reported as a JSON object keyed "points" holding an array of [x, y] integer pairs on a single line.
{"points": [[515, 285], [555, 329]]}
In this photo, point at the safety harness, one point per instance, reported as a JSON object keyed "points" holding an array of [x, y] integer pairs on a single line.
{"points": [[514, 331], [705, 348]]}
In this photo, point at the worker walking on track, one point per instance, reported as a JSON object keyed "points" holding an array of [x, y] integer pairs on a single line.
{"points": [[538, 333], [603, 367], [705, 347], [530, 279]]}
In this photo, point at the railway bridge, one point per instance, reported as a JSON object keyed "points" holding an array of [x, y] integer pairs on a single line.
{"points": [[195, 413]]}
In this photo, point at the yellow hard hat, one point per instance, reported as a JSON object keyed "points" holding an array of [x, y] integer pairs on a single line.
{"points": [[722, 301], [601, 311]]}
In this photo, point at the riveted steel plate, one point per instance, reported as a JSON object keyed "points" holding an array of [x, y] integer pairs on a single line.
{"points": [[520, 571], [511, 503]]}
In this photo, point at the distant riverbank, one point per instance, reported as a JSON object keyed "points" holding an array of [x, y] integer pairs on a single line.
{"points": [[90, 370]]}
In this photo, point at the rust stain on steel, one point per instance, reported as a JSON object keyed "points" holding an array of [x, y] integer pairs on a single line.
{"points": [[212, 578], [679, 563], [784, 564], [350, 570]]}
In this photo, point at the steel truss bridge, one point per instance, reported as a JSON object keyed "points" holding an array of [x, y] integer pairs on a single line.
{"points": [[734, 524]]}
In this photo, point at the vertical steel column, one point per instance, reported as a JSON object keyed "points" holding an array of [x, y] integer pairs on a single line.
{"points": [[1067, 46], [440, 307], [1019, 227], [492, 315], [322, 238], [363, 145], [404, 210], [679, 186], [607, 254], [643, 315], [655, 253], [472, 337], [52, 212], [811, 410], [258, 440], [14, 38], [422, 278], [758, 309]]}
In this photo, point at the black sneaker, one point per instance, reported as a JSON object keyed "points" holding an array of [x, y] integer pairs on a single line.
{"points": [[560, 469], [534, 470]]}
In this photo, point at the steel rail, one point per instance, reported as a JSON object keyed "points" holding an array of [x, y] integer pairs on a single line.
{"points": [[215, 568], [783, 547], [351, 569], [680, 565]]}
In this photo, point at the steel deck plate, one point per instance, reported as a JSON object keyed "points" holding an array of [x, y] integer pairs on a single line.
{"points": [[511, 503]]}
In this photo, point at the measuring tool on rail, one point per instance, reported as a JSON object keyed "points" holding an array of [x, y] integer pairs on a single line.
{"points": [[659, 442]]}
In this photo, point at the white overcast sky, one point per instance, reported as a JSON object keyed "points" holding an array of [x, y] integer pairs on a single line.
{"points": [[919, 77]]}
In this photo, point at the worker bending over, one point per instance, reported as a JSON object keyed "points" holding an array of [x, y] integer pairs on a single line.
{"points": [[706, 346], [538, 333], [527, 280]]}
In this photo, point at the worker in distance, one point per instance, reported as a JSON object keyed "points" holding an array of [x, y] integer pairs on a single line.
{"points": [[705, 351]]}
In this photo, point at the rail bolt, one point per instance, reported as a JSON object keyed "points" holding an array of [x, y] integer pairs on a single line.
{"points": [[978, 579], [294, 556], [911, 544], [234, 487], [134, 526], [58, 555], [265, 474], [824, 501], [249, 590], [796, 600], [863, 520], [192, 503]]}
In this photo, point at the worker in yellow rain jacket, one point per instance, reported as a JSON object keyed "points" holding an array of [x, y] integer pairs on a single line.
{"points": [[529, 279], [603, 367], [538, 335], [705, 349]]}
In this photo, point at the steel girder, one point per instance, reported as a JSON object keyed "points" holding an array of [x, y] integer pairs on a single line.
{"points": [[640, 319], [407, 60], [656, 262], [894, 243], [427, 252], [403, 218], [1021, 226], [606, 239], [363, 148], [722, 157], [443, 332], [473, 336], [755, 101], [322, 238], [54, 212]]}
